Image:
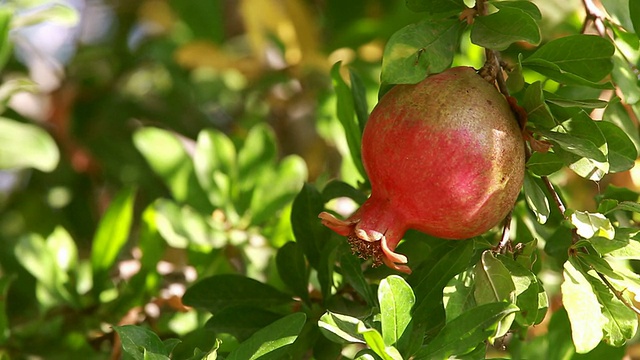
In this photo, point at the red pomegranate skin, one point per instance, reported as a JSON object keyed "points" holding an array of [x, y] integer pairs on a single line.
{"points": [[444, 156]]}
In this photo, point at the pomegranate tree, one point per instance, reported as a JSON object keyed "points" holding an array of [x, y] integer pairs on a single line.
{"points": [[444, 156]]}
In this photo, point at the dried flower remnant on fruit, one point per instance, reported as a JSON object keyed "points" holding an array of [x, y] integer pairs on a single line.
{"points": [[444, 156]]}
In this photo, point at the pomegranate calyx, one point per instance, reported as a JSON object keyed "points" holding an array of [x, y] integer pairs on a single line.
{"points": [[366, 244]]}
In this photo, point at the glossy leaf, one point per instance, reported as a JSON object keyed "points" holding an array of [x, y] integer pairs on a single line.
{"points": [[536, 199], [309, 232], [418, 50], [111, 236], [527, 290], [429, 279], [26, 145], [583, 308], [634, 13], [218, 292], [293, 269], [346, 112], [272, 341], [464, 333], [241, 321], [528, 7], [140, 343], [538, 112], [509, 25], [340, 328], [574, 59], [493, 284], [622, 246], [543, 164], [373, 338], [622, 322], [589, 225], [622, 152], [351, 268], [458, 295], [396, 300]]}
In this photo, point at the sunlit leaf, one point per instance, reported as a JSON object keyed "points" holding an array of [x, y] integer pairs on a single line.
{"points": [[58, 13], [6, 46], [214, 162], [528, 7], [396, 299], [526, 290], [583, 308], [626, 80], [463, 334], [536, 199], [26, 145], [373, 338], [589, 225], [340, 328], [112, 234], [574, 59], [538, 112], [418, 50], [509, 25], [241, 321], [138, 342]]}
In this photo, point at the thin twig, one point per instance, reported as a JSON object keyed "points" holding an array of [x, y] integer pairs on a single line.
{"points": [[506, 230], [554, 194], [617, 293]]}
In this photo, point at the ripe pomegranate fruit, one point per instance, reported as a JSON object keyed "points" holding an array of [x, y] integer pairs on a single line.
{"points": [[444, 156]]}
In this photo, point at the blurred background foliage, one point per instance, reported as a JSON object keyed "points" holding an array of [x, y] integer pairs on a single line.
{"points": [[132, 90]]}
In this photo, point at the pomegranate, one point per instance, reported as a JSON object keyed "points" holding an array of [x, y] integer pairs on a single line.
{"points": [[444, 156]]}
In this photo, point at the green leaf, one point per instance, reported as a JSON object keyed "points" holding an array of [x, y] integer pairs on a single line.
{"points": [[429, 279], [272, 341], [139, 342], [622, 246], [340, 328], [419, 49], [241, 321], [336, 189], [458, 294], [289, 177], [352, 271], [582, 146], [493, 283], [622, 151], [622, 322], [166, 155], [437, 8], [112, 234], [527, 290], [346, 112], [396, 300], [293, 269], [464, 333], [543, 164], [256, 157], [538, 112], [373, 338], [528, 7], [26, 145], [183, 226], [359, 93], [626, 80], [5, 326], [215, 163], [11, 87], [617, 114], [634, 13], [581, 103], [536, 199], [309, 232], [574, 59], [6, 46], [619, 12], [515, 80], [583, 308], [509, 25], [218, 292], [589, 225]]}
